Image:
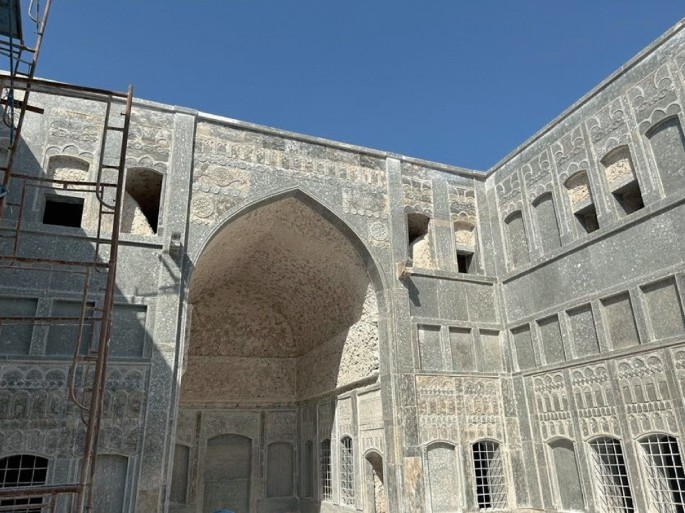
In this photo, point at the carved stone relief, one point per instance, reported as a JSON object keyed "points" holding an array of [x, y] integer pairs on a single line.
{"points": [[537, 175], [594, 401], [436, 398], [571, 154], [654, 98], [552, 406], [509, 195], [645, 394], [608, 128]]}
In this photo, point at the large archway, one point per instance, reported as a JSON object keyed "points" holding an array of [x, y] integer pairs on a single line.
{"points": [[284, 319]]}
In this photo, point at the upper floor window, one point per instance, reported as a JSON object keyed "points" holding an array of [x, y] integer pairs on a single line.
{"points": [[620, 173], [668, 147], [140, 213], [465, 240], [580, 198]]}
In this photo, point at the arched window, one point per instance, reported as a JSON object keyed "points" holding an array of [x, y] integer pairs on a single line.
{"points": [[620, 173], [546, 220], [465, 240], [668, 147], [516, 238], [580, 198], [325, 463], [664, 467], [65, 208], [22, 470], [141, 202], [376, 502], [346, 471], [568, 480], [491, 489], [611, 476], [419, 240]]}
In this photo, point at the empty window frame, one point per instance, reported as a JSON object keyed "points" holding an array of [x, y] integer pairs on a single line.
{"points": [[19, 471], [63, 210], [611, 476], [325, 464], [620, 174], [465, 241], [346, 471], [668, 147], [516, 239], [665, 474], [546, 220], [418, 238], [142, 201], [580, 198], [491, 490]]}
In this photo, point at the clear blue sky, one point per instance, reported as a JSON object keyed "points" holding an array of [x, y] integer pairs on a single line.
{"points": [[448, 80]]}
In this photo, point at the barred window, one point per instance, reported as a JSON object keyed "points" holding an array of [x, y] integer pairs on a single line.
{"points": [[23, 470], [346, 471], [325, 459], [491, 491], [613, 488], [665, 473]]}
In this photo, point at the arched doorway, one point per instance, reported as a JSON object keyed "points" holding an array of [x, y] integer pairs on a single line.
{"points": [[284, 317]]}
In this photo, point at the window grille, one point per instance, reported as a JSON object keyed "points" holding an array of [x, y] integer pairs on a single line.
{"points": [[613, 488], [346, 471], [665, 473], [491, 492], [22, 470], [325, 458]]}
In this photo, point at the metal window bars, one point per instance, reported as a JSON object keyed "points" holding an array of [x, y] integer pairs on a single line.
{"points": [[85, 256], [346, 472], [665, 473], [22, 470], [612, 485], [326, 479], [491, 490]]}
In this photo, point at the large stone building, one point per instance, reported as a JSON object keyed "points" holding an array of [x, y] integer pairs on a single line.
{"points": [[304, 325]]}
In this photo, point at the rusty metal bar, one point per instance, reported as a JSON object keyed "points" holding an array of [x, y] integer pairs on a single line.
{"points": [[97, 397]]}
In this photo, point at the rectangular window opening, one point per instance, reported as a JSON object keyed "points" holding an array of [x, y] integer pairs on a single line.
{"points": [[465, 261], [587, 218], [63, 211], [628, 198]]}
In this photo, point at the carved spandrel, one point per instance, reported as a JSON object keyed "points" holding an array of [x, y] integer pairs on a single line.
{"points": [[654, 98], [570, 154], [608, 128], [77, 128], [216, 190], [594, 401], [437, 408], [509, 195], [370, 411], [552, 406], [149, 136], [418, 195], [537, 175], [480, 405], [645, 393], [463, 204], [226, 147]]}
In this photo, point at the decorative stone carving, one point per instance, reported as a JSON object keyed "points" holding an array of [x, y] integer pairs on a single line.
{"points": [[537, 175], [570, 154], [645, 395], [594, 401], [552, 406], [436, 398], [654, 98], [509, 195], [608, 128], [480, 404], [462, 204], [363, 203]]}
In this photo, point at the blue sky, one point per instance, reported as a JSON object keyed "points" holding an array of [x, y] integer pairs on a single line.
{"points": [[457, 82]]}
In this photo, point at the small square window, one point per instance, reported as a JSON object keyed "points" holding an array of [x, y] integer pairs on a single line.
{"points": [[465, 261], [63, 211]]}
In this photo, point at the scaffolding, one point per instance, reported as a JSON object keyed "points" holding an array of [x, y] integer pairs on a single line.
{"points": [[24, 239]]}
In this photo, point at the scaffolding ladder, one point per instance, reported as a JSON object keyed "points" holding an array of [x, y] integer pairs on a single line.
{"points": [[21, 232]]}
